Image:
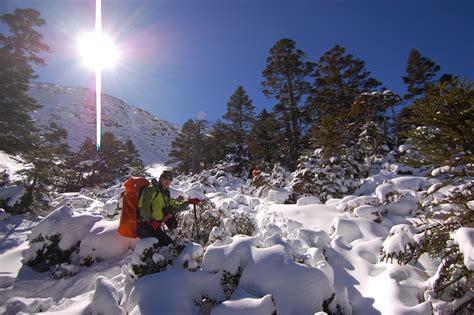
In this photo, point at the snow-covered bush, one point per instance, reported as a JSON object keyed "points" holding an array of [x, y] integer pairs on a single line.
{"points": [[260, 271], [18, 305], [3, 215], [10, 196], [437, 233], [242, 223], [229, 282], [326, 178], [56, 238], [196, 224], [279, 177], [148, 257]]}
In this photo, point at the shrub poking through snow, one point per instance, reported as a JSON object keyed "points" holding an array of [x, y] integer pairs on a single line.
{"points": [[56, 238], [441, 218], [242, 224], [264, 182], [3, 215], [326, 177], [230, 282], [148, 257], [47, 253], [196, 224]]}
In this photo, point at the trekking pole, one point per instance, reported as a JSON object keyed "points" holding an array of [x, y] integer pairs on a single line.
{"points": [[196, 223]]}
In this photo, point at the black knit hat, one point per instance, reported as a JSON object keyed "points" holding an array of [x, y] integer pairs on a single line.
{"points": [[167, 174]]}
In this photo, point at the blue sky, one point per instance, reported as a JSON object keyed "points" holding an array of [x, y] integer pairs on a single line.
{"points": [[184, 58]]}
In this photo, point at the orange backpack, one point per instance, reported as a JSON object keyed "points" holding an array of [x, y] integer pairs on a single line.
{"points": [[129, 216]]}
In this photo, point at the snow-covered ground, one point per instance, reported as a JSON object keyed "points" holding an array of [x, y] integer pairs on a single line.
{"points": [[300, 256]]}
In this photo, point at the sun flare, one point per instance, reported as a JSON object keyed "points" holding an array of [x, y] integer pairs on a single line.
{"points": [[98, 51]]}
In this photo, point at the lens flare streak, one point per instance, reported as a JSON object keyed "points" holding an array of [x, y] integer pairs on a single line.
{"points": [[98, 74]]}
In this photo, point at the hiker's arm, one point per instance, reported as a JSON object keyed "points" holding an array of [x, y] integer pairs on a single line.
{"points": [[179, 206]]}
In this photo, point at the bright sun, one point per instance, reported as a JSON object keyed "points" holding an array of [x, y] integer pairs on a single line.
{"points": [[98, 51]]}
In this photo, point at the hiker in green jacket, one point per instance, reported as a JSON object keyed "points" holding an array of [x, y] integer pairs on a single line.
{"points": [[156, 207]]}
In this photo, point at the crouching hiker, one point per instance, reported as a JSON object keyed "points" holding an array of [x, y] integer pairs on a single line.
{"points": [[157, 208]]}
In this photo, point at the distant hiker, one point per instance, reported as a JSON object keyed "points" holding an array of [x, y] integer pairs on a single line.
{"points": [[254, 172], [156, 207]]}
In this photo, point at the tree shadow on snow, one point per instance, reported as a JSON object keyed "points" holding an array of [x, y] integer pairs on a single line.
{"points": [[342, 279], [10, 235]]}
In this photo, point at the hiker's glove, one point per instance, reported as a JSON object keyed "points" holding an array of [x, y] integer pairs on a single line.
{"points": [[167, 217], [155, 225], [194, 201]]}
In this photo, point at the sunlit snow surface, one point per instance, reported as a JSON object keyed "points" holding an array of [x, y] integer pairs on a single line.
{"points": [[338, 253]]}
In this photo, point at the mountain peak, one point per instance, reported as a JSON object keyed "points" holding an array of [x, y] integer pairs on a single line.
{"points": [[73, 108]]}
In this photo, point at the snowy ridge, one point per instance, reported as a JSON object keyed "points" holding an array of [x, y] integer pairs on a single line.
{"points": [[73, 108]]}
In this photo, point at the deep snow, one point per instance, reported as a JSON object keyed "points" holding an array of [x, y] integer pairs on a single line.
{"points": [[298, 258]]}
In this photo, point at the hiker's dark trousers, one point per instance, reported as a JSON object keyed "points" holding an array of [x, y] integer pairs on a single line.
{"points": [[145, 230]]}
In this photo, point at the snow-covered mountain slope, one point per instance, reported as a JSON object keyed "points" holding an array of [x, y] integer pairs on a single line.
{"points": [[74, 109]]}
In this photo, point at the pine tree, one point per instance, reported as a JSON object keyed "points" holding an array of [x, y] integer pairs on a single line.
{"points": [[370, 123], [215, 147], [133, 164], [339, 80], [264, 145], [112, 158], [47, 157], [84, 165], [239, 119], [18, 51], [421, 72], [285, 79], [444, 120], [187, 149], [240, 115]]}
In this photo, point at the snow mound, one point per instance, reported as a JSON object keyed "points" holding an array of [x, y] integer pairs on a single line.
{"points": [[71, 226], [18, 305], [310, 200], [302, 290], [103, 242], [464, 237], [243, 303], [187, 290], [106, 300]]}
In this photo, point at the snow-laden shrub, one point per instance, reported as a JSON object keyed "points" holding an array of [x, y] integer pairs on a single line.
{"points": [[327, 178], [197, 223], [148, 257], [441, 219], [229, 282], [261, 270], [242, 223], [20, 305], [3, 215], [10, 196], [56, 238], [208, 181], [278, 177]]}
